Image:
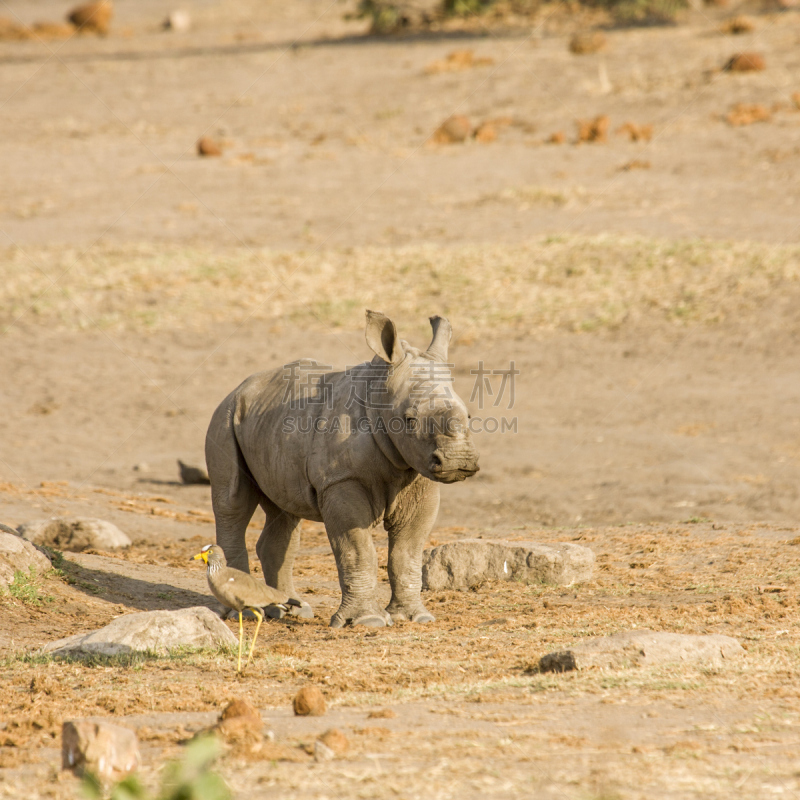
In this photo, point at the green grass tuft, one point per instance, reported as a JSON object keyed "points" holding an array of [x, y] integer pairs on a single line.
{"points": [[25, 588]]}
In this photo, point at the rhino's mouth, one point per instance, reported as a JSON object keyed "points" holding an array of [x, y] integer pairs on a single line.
{"points": [[441, 471], [454, 476]]}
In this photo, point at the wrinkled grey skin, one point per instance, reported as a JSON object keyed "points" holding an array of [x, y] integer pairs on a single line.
{"points": [[383, 467]]}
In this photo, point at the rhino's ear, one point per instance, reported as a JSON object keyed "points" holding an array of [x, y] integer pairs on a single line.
{"points": [[442, 332], [383, 339]]}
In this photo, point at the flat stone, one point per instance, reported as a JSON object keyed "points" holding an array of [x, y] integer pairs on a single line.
{"points": [[469, 562], [644, 648], [156, 631], [75, 534], [18, 554], [109, 751]]}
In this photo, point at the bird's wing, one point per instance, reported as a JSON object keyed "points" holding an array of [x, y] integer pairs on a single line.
{"points": [[251, 592]]}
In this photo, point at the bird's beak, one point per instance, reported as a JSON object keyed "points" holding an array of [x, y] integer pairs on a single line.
{"points": [[200, 557]]}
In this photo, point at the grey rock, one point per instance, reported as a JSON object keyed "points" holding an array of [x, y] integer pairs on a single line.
{"points": [[18, 554], [75, 534], [466, 563], [157, 631], [109, 751], [644, 648], [192, 475]]}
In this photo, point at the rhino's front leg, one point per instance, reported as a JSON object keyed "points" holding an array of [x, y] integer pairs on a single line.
{"points": [[409, 527], [349, 521]]}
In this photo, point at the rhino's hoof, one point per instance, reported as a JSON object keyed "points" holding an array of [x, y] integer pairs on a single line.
{"points": [[421, 614], [370, 620]]}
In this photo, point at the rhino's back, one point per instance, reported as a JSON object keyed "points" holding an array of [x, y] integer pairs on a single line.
{"points": [[275, 391]]}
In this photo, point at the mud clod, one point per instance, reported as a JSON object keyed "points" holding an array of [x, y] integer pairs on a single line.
{"points": [[738, 25], [92, 17], [593, 130], [309, 702], [382, 713], [485, 133], [336, 741], [206, 146], [746, 62], [240, 721], [586, 42], [453, 130], [635, 132]]}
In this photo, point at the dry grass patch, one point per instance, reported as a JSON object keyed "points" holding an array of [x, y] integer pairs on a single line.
{"points": [[747, 114], [572, 283]]}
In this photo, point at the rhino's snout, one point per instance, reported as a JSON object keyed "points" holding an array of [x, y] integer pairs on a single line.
{"points": [[452, 470]]}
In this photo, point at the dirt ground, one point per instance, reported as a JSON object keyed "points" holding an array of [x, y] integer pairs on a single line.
{"points": [[647, 292]]}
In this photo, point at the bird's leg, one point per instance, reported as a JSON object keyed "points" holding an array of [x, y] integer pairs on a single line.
{"points": [[241, 634], [255, 635]]}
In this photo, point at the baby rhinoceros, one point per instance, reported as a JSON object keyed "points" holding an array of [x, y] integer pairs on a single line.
{"points": [[353, 449]]}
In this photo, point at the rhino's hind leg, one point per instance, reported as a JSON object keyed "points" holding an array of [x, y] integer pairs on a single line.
{"points": [[349, 521], [234, 492], [409, 528], [277, 549]]}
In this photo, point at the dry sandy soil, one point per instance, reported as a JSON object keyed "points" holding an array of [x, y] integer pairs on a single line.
{"points": [[648, 293]]}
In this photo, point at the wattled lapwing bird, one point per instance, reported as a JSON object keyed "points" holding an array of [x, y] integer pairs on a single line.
{"points": [[238, 590]]}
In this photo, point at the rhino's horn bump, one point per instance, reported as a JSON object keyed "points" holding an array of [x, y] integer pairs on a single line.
{"points": [[442, 332]]}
